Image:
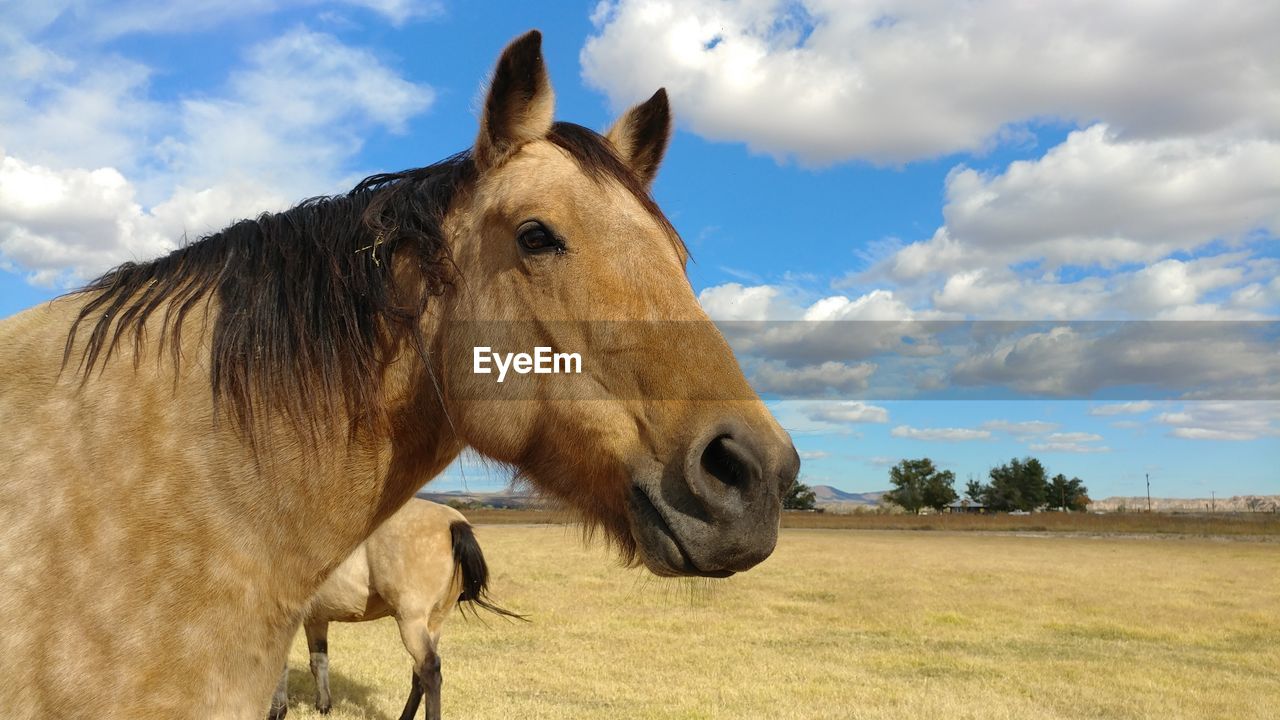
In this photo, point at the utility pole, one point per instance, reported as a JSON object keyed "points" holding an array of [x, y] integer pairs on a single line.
{"points": [[1148, 492], [1213, 501]]}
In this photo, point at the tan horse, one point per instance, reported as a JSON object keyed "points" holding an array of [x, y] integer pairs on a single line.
{"points": [[415, 567], [192, 444]]}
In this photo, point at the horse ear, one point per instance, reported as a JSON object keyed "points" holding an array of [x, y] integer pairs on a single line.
{"points": [[640, 136], [521, 104]]}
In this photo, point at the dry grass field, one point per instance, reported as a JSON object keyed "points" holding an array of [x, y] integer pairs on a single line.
{"points": [[1203, 524], [850, 624]]}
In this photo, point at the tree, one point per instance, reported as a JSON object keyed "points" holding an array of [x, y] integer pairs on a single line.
{"points": [[1068, 494], [919, 484], [975, 490], [800, 497], [1017, 485]]}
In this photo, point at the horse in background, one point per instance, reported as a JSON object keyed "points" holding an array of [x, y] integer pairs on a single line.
{"points": [[192, 444], [415, 567]]}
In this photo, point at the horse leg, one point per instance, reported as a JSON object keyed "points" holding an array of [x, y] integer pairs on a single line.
{"points": [[415, 697], [280, 700], [421, 643], [318, 646]]}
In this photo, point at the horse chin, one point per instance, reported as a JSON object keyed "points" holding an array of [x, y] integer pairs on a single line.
{"points": [[659, 547]]}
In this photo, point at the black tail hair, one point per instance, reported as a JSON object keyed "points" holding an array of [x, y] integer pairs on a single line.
{"points": [[475, 571]]}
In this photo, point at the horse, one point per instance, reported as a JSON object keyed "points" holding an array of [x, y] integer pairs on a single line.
{"points": [[191, 444], [415, 567]]}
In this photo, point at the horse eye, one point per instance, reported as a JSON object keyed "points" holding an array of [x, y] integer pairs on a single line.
{"points": [[534, 237]]}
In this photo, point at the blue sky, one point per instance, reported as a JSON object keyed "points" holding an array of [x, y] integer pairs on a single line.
{"points": [[833, 162]]}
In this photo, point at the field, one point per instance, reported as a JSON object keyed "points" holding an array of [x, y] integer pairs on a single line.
{"points": [[1192, 524], [850, 624]]}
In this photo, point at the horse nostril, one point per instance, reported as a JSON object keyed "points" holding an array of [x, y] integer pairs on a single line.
{"points": [[725, 460]]}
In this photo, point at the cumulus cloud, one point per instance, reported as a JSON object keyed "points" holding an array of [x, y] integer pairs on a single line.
{"points": [[1072, 437], [94, 172], [1068, 447], [1042, 437], [1170, 289], [1135, 407], [61, 112], [765, 321], [1223, 420], [294, 115], [1210, 360], [1104, 202], [895, 81], [844, 412], [1100, 199], [737, 302], [875, 346], [828, 378], [1024, 427], [940, 434], [74, 221], [102, 21]]}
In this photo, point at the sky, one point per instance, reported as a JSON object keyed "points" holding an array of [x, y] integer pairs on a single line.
{"points": [[968, 231]]}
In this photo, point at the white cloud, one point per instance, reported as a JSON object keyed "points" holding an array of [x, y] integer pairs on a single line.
{"points": [[894, 81], [1068, 447], [1246, 420], [1212, 360], [827, 378], [1100, 199], [813, 454], [940, 434], [75, 221], [1021, 428], [294, 116], [1135, 407], [1072, 437], [102, 21], [845, 412], [62, 113], [1045, 439], [877, 305], [737, 302], [95, 172]]}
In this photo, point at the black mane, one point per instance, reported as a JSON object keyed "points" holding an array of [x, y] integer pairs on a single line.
{"points": [[308, 305]]}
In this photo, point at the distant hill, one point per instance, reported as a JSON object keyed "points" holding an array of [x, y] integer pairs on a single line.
{"points": [[1235, 503], [825, 497], [830, 498], [509, 499]]}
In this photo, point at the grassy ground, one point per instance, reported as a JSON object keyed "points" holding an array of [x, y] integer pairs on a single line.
{"points": [[850, 624], [1203, 524]]}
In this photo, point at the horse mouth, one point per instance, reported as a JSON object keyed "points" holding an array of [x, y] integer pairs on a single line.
{"points": [[660, 547]]}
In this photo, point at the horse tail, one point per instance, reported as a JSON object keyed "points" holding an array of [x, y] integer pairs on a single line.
{"points": [[469, 561]]}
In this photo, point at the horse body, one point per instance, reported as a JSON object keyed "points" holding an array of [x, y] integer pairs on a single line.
{"points": [[150, 580], [416, 567], [192, 444]]}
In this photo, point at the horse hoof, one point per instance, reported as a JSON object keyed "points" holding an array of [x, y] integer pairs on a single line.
{"points": [[324, 710], [277, 713]]}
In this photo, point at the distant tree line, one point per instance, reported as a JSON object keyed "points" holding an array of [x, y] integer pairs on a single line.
{"points": [[799, 497], [1020, 484]]}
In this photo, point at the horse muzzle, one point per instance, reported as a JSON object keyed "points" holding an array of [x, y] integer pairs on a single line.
{"points": [[715, 510]]}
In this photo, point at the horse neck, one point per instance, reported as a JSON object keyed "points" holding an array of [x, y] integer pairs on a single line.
{"points": [[420, 437]]}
